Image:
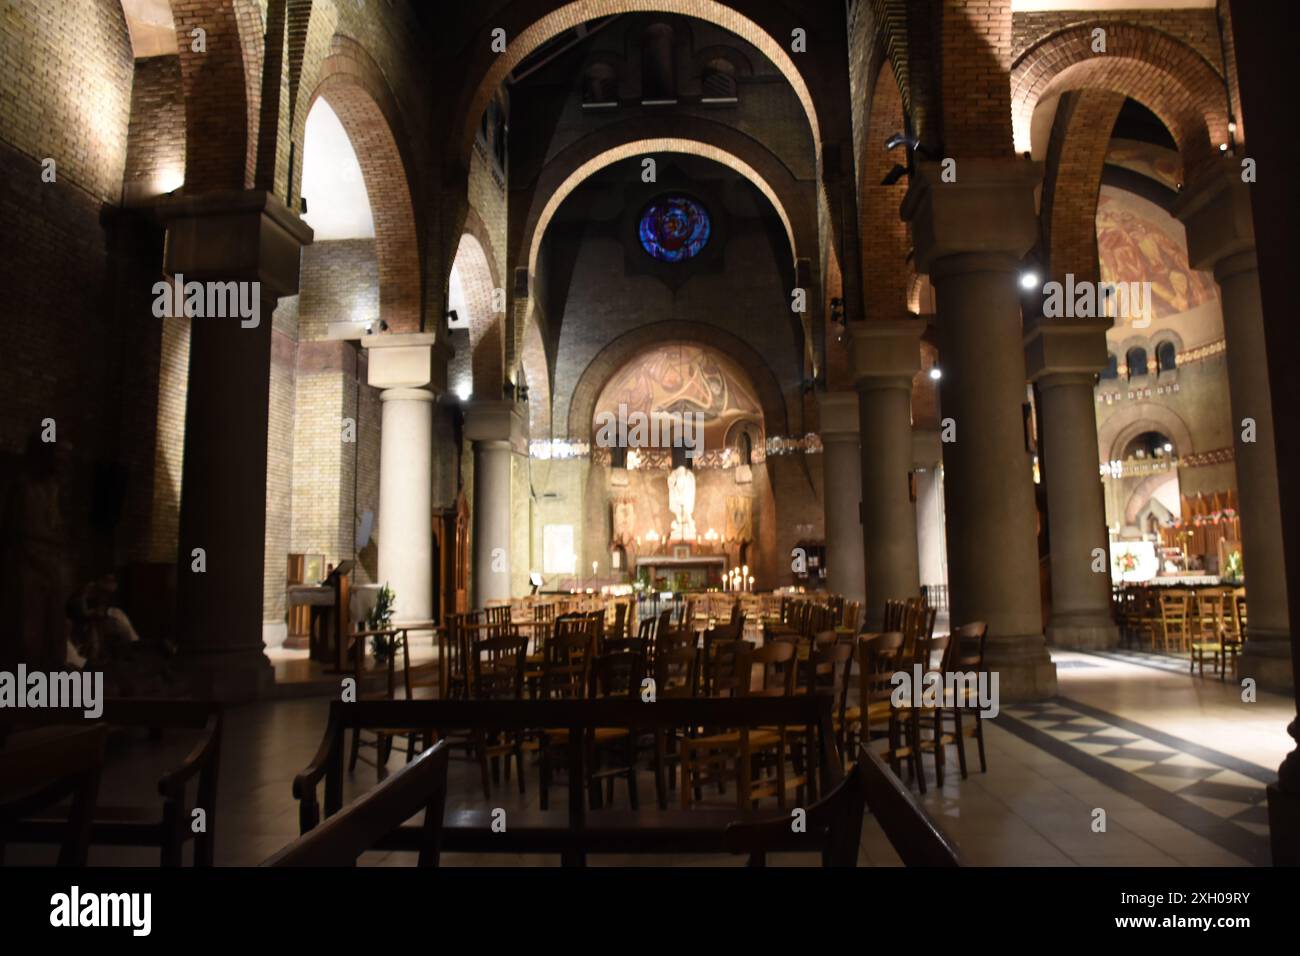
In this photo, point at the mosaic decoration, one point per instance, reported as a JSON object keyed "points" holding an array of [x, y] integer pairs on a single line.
{"points": [[674, 229]]}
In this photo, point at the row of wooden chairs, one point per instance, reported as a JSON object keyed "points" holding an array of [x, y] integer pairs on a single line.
{"points": [[1201, 623]]}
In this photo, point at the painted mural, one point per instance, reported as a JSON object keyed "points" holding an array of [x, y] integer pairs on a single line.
{"points": [[1137, 241], [683, 379]]}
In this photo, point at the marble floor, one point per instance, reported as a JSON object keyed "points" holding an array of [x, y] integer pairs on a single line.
{"points": [[1177, 763]]}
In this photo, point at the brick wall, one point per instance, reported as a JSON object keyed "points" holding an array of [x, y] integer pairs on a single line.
{"points": [[155, 158]]}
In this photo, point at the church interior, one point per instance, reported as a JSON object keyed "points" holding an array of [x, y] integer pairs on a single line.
{"points": [[639, 420]]}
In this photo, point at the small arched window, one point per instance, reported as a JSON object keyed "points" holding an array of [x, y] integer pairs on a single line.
{"points": [[658, 65], [1166, 357], [745, 446], [719, 81], [1136, 360], [1111, 371]]}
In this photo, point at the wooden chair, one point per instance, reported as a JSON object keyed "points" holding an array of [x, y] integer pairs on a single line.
{"points": [[719, 754], [614, 674], [146, 824], [383, 741], [713, 638], [967, 657], [932, 655], [40, 768], [879, 657], [833, 827], [420, 785], [676, 674], [908, 827], [1174, 620], [497, 673], [618, 629], [566, 675]]}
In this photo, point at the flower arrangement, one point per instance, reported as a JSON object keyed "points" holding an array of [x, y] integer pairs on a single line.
{"points": [[1126, 562], [1233, 568]]}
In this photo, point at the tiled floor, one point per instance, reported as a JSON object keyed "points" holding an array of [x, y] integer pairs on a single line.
{"points": [[1177, 763]]}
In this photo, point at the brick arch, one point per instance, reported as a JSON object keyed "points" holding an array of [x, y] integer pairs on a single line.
{"points": [[488, 70], [615, 355], [1076, 157], [475, 265], [591, 154], [537, 373], [1134, 419], [367, 110], [222, 92], [884, 234], [1164, 74]]}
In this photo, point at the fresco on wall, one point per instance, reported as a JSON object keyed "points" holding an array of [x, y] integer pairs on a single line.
{"points": [[679, 379], [1137, 241], [1154, 162]]}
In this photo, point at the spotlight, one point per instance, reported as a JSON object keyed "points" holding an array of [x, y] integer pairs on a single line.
{"points": [[935, 373], [1169, 447], [1232, 127], [1223, 147], [1029, 280], [901, 139], [370, 328]]}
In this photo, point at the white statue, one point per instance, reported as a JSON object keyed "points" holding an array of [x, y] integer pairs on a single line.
{"points": [[681, 502]]}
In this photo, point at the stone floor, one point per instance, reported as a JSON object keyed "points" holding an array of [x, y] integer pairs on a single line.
{"points": [[1178, 764]]}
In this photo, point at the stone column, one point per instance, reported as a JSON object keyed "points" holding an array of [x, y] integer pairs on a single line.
{"points": [[842, 491], [409, 368], [1063, 356], [886, 355], [927, 463], [250, 244], [492, 426], [1220, 236], [969, 237]]}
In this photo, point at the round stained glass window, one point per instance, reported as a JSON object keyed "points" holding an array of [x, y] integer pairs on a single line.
{"points": [[674, 229]]}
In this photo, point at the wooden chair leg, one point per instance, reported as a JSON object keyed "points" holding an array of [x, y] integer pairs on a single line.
{"points": [[661, 783], [480, 747], [959, 734], [979, 738], [356, 750]]}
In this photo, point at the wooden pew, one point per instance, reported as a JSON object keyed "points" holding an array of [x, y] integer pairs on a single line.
{"points": [[167, 827], [40, 768], [358, 827], [576, 834], [907, 825]]}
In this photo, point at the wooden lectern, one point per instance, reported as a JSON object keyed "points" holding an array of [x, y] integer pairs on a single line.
{"points": [[330, 623]]}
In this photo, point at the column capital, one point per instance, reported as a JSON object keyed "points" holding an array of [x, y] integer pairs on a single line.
{"points": [[241, 235], [987, 208], [1065, 347], [1215, 209], [886, 352], [406, 360], [496, 421], [838, 415]]}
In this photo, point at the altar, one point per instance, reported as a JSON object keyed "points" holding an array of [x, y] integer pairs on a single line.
{"points": [[697, 571]]}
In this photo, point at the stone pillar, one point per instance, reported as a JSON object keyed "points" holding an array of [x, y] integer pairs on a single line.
{"points": [[842, 491], [969, 237], [410, 368], [927, 463], [492, 426], [1221, 236], [251, 244], [1063, 357], [886, 355]]}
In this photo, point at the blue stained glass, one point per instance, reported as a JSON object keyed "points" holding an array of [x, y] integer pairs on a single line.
{"points": [[674, 229]]}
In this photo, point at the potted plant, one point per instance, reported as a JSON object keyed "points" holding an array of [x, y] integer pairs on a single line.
{"points": [[1232, 568], [379, 619]]}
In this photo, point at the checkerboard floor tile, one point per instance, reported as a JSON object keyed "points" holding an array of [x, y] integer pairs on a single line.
{"points": [[1202, 777]]}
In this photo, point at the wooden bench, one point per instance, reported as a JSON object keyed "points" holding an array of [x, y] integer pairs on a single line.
{"points": [[39, 768], [577, 833], [167, 827], [908, 826], [360, 826]]}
